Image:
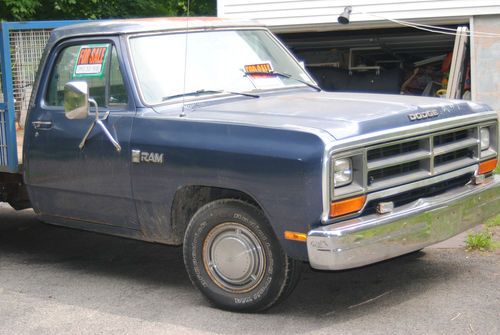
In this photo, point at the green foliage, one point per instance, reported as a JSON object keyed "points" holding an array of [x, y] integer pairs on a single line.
{"points": [[197, 7], [497, 170], [23, 10], [493, 222], [18, 9], [482, 241]]}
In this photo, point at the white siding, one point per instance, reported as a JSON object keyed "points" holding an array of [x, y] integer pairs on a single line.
{"points": [[300, 15], [485, 64]]}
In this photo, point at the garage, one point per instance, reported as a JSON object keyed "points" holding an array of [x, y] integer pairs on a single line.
{"points": [[394, 46], [406, 61]]}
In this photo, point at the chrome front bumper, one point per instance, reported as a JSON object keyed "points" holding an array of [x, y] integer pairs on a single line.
{"points": [[377, 237]]}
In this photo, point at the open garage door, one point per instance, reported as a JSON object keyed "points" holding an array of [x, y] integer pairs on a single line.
{"points": [[397, 61]]}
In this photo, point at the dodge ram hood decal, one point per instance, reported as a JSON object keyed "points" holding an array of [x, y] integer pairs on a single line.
{"points": [[340, 114]]}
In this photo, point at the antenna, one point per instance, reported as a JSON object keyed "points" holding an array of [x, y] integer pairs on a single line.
{"points": [[185, 60]]}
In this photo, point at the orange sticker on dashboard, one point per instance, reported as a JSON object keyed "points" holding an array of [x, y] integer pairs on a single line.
{"points": [[258, 68]]}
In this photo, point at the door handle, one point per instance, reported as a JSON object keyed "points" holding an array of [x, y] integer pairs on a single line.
{"points": [[42, 124]]}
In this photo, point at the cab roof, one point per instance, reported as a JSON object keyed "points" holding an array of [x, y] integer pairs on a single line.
{"points": [[130, 26]]}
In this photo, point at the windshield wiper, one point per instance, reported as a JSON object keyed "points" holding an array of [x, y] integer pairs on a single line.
{"points": [[203, 91], [286, 75]]}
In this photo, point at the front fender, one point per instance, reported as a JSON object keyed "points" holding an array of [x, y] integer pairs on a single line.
{"points": [[280, 169]]}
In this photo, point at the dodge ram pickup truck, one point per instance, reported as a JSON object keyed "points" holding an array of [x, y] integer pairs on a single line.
{"points": [[208, 133]]}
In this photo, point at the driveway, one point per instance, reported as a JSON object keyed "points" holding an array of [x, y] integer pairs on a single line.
{"points": [[59, 280]]}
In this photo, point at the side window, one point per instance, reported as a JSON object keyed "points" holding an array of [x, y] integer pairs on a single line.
{"points": [[98, 65], [117, 90], [61, 74]]}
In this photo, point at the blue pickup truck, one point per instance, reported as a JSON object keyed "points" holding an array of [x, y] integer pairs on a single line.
{"points": [[209, 134]]}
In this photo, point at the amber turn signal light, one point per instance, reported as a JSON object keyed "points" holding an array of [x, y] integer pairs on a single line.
{"points": [[487, 166], [347, 206], [294, 236]]}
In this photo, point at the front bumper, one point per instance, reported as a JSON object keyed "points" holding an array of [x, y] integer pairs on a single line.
{"points": [[377, 237]]}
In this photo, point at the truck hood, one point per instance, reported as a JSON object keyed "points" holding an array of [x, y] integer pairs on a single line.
{"points": [[342, 115]]}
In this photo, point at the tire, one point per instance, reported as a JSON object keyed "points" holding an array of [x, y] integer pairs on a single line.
{"points": [[233, 257]]}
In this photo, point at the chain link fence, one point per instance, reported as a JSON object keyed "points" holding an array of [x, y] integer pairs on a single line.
{"points": [[26, 47]]}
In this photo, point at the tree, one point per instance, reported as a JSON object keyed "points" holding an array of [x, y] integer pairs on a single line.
{"points": [[24, 10], [18, 9]]}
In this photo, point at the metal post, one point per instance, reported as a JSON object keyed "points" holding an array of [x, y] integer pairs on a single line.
{"points": [[8, 118], [3, 106]]}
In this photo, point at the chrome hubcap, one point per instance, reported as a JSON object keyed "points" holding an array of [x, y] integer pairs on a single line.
{"points": [[234, 257]]}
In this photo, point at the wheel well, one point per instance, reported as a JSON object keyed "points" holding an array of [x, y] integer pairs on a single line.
{"points": [[189, 199]]}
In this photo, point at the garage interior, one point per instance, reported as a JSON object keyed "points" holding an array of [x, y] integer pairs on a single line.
{"points": [[395, 60]]}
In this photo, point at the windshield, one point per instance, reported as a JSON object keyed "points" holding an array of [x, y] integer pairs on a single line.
{"points": [[216, 61]]}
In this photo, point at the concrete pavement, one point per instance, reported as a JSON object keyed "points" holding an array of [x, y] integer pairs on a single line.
{"points": [[56, 280]]}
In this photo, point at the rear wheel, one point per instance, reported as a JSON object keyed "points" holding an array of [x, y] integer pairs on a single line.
{"points": [[234, 259]]}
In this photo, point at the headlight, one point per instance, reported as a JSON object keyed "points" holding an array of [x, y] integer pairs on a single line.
{"points": [[342, 172], [485, 138]]}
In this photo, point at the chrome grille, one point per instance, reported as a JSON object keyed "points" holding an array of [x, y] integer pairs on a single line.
{"points": [[453, 156], [392, 171], [386, 165], [393, 150], [451, 137], [408, 160]]}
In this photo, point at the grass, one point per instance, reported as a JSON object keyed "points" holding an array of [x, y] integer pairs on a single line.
{"points": [[493, 222], [482, 241]]}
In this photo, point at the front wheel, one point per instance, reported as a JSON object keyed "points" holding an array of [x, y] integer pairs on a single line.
{"points": [[234, 259]]}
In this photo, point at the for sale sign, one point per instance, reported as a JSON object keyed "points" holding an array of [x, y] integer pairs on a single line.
{"points": [[91, 60]]}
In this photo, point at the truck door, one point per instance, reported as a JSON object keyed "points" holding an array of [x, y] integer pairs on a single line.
{"points": [[71, 184]]}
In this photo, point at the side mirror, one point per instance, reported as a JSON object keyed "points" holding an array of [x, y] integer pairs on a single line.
{"points": [[76, 100]]}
